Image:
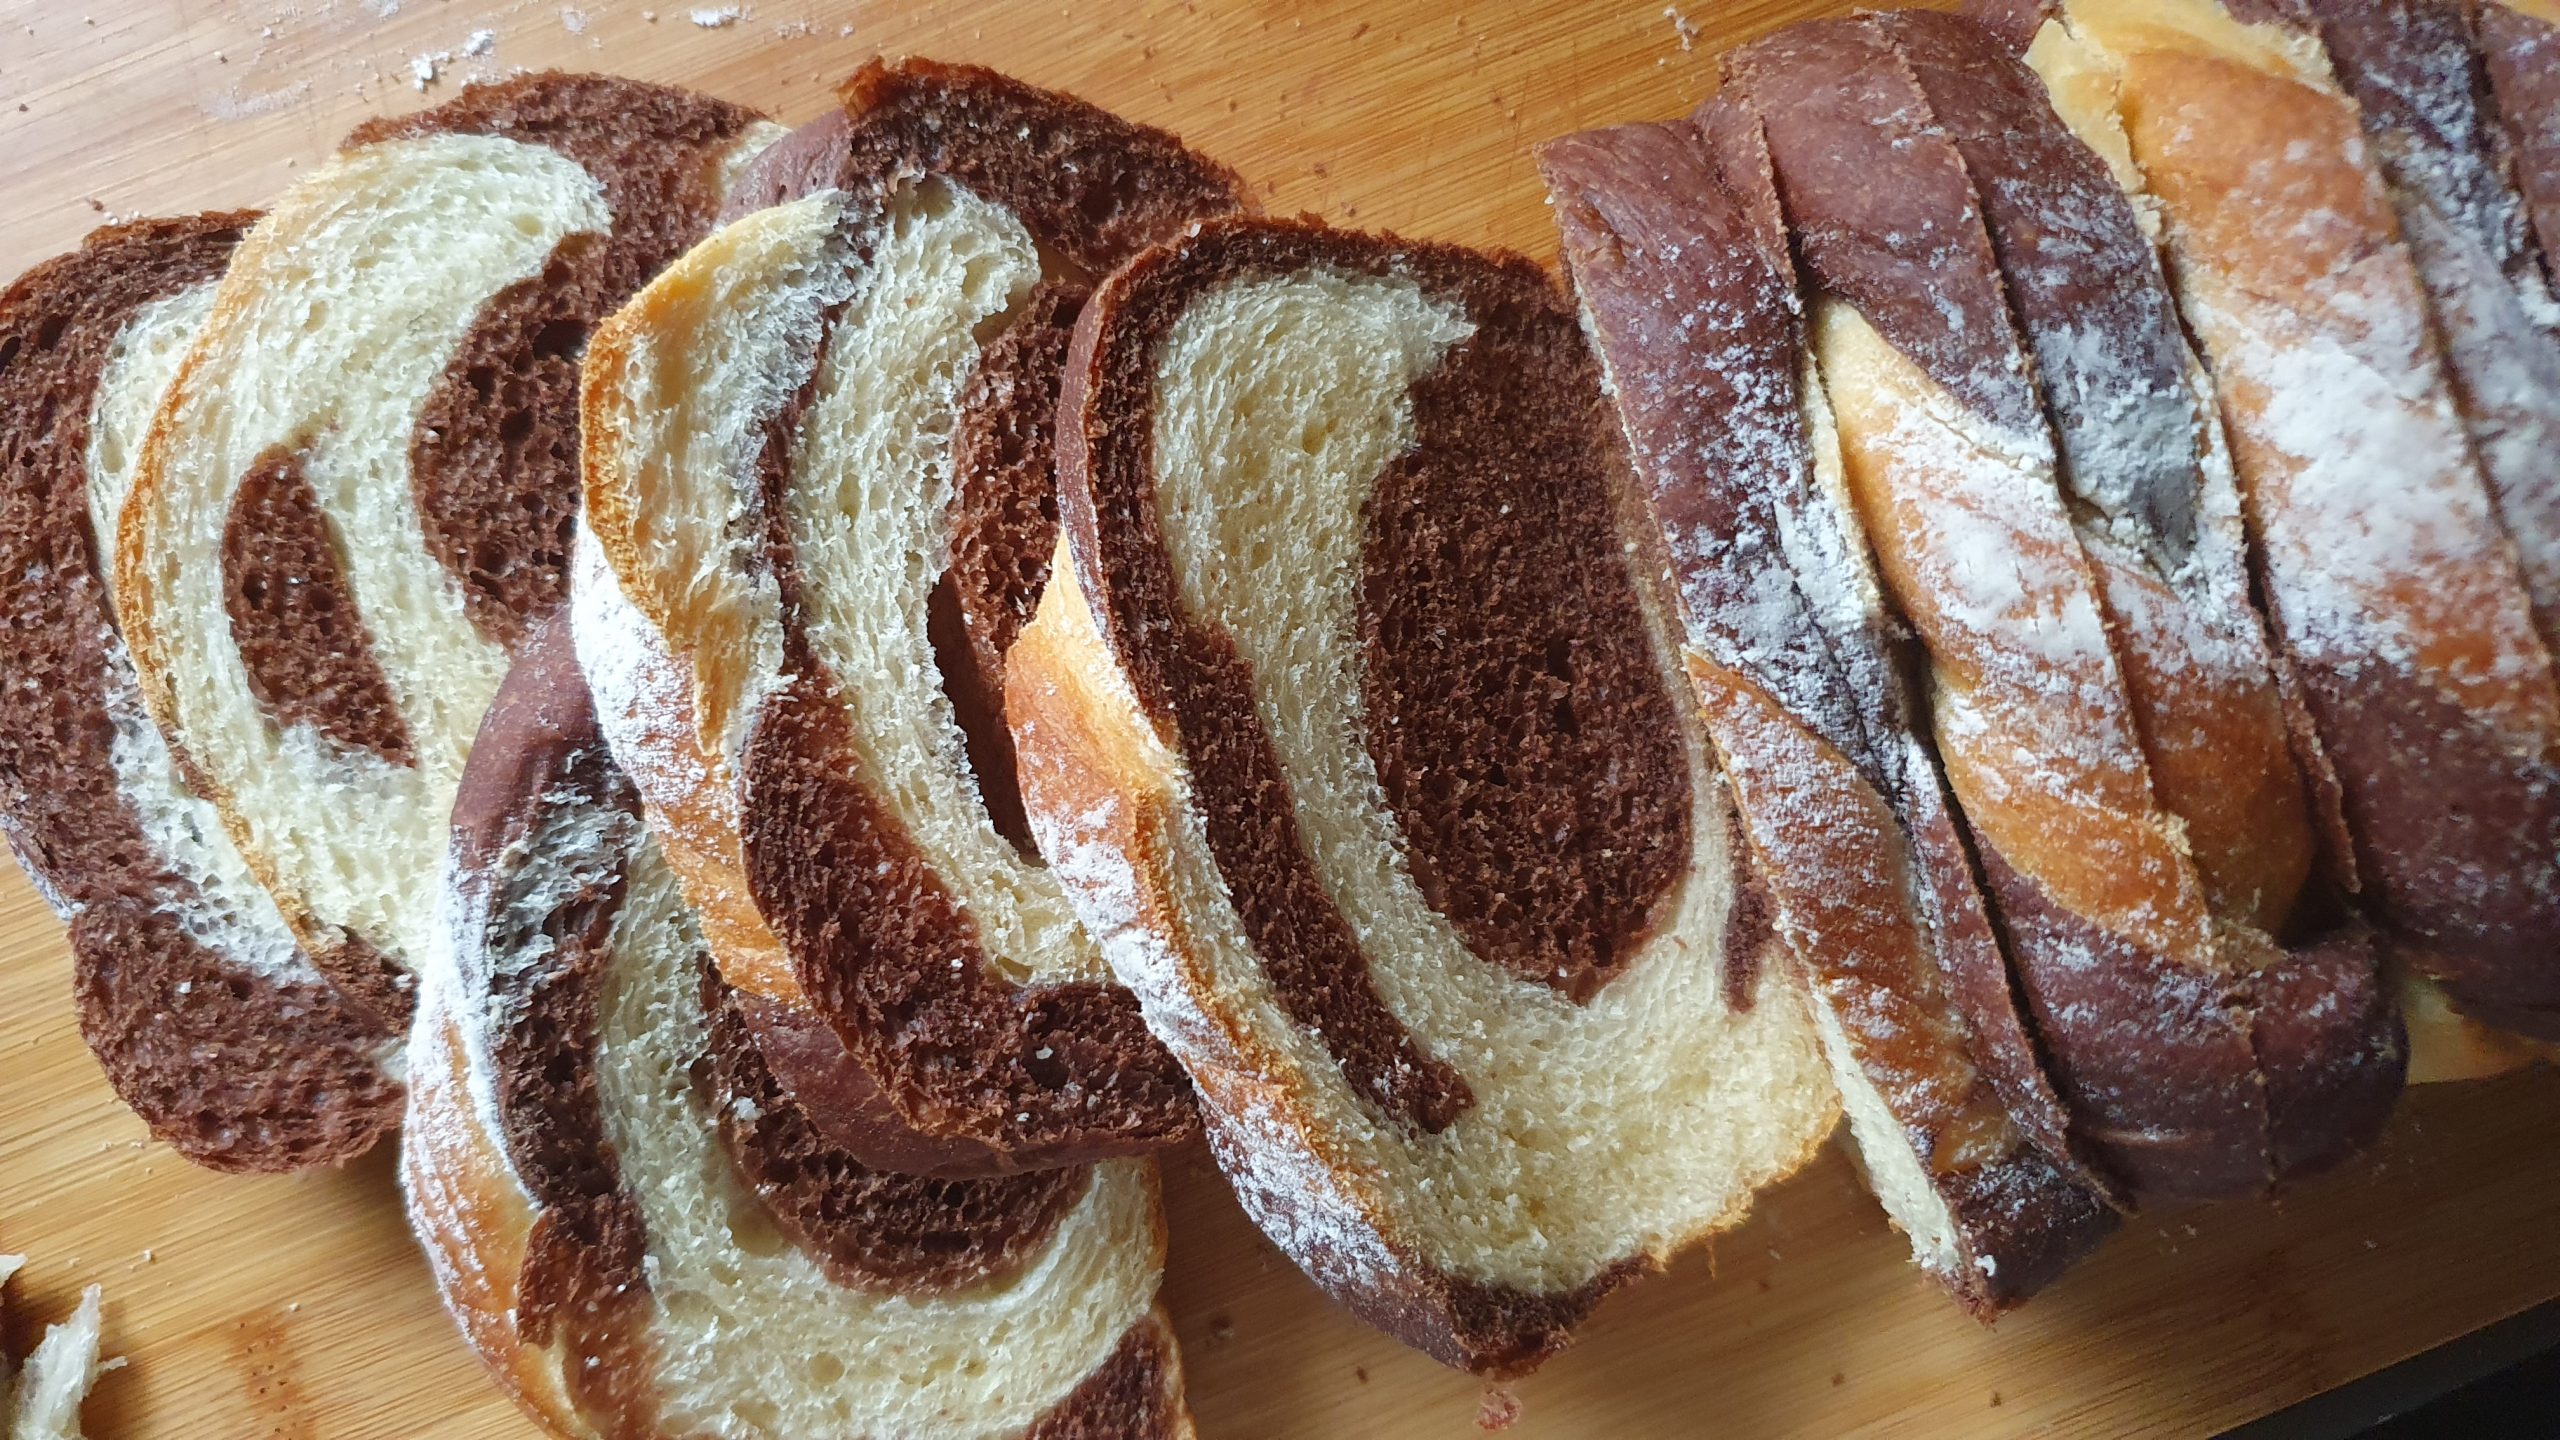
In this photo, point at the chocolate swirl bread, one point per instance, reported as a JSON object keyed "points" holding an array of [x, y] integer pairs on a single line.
{"points": [[819, 481], [357, 493], [2379, 552], [205, 1014], [1787, 640], [644, 1236], [2028, 445], [1361, 741]]}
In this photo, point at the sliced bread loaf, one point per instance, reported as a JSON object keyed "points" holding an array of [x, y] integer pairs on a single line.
{"points": [[1361, 741], [204, 1012], [643, 1236], [358, 491], [818, 476], [2377, 545], [1787, 640], [2028, 446]]}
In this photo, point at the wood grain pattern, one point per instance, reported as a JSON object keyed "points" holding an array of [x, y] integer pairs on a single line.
{"points": [[297, 1307]]}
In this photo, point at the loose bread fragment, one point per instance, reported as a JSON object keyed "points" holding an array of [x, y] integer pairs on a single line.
{"points": [[643, 1236], [42, 1400], [357, 493], [1361, 743], [2105, 701], [2396, 593], [1786, 640], [204, 1012], [818, 474]]}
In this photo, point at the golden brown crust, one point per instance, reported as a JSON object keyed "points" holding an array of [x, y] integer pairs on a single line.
{"points": [[475, 1225], [480, 1232]]}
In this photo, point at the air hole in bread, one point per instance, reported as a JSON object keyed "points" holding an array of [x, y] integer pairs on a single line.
{"points": [[980, 713]]}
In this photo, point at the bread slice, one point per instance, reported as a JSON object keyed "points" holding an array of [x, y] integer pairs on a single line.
{"points": [[2415, 71], [818, 475], [204, 1012], [2065, 539], [1361, 742], [2520, 43], [1785, 638], [357, 492], [2232, 749], [643, 1236], [42, 1400], [2377, 546]]}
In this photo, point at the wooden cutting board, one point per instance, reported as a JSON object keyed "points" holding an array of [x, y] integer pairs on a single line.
{"points": [[297, 1308]]}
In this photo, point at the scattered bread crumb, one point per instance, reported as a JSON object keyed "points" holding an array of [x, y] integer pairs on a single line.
{"points": [[573, 20], [720, 19], [480, 43], [1680, 23], [1500, 1409]]}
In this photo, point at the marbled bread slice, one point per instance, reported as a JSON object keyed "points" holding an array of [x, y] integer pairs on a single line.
{"points": [[644, 1236], [819, 481], [1361, 741], [203, 1010], [1787, 640], [358, 492]]}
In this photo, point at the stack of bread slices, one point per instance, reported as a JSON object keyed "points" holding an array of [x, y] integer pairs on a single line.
{"points": [[792, 708]]}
